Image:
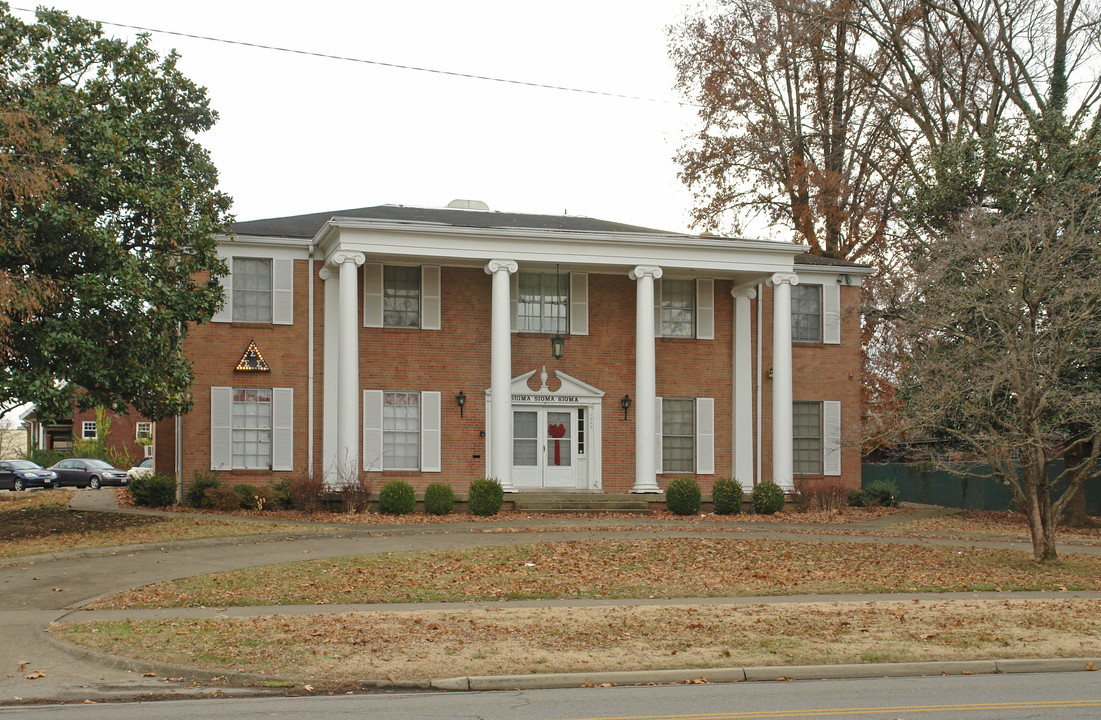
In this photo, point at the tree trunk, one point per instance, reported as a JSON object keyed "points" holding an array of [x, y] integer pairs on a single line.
{"points": [[1075, 514], [1038, 507]]}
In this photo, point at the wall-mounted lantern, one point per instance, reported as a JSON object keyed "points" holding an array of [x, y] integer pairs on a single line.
{"points": [[460, 400], [558, 344], [625, 403]]}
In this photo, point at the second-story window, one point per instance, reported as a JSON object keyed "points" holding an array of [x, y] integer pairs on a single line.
{"points": [[543, 303], [252, 290], [401, 296]]}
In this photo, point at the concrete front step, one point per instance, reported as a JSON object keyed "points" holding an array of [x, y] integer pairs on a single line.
{"points": [[587, 503]]}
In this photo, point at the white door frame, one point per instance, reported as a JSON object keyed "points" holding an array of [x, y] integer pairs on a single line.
{"points": [[572, 395]]}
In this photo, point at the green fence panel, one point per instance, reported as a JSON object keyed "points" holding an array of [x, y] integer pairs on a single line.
{"points": [[961, 490]]}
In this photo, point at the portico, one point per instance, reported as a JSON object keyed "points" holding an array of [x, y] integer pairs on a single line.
{"points": [[354, 249]]}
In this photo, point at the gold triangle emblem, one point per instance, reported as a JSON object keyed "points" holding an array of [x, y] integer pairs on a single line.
{"points": [[252, 360]]}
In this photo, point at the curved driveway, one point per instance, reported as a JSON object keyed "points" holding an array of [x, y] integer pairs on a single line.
{"points": [[38, 590]]}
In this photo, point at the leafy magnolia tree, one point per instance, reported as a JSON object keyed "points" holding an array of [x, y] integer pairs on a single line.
{"points": [[121, 237], [789, 131], [1005, 329]]}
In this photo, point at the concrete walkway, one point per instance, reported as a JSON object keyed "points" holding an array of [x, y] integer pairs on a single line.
{"points": [[42, 589]]}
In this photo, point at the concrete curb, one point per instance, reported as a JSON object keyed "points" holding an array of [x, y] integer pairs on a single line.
{"points": [[770, 673]]}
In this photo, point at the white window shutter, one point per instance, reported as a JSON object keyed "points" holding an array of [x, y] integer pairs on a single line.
{"points": [[372, 295], [372, 430], [430, 297], [705, 309], [831, 437], [226, 281], [221, 428], [657, 307], [705, 436], [658, 443], [579, 303], [282, 435], [831, 313], [430, 432], [514, 301], [282, 291]]}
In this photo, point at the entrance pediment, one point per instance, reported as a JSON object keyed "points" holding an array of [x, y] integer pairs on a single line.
{"points": [[570, 389]]}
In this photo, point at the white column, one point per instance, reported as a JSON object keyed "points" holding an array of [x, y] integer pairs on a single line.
{"points": [[645, 380], [348, 359], [500, 373], [743, 387], [782, 460]]}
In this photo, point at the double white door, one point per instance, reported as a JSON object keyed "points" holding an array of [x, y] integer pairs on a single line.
{"points": [[544, 447]]}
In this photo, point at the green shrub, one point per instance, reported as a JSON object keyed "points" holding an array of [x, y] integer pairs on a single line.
{"points": [[154, 490], [881, 493], [439, 498], [486, 497], [727, 494], [246, 494], [221, 498], [281, 495], [856, 499], [682, 497], [767, 498], [397, 498], [202, 481]]}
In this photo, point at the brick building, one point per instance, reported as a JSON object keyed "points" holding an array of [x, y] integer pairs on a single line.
{"points": [[546, 351]]}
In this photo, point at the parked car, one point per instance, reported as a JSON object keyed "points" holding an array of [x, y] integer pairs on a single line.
{"points": [[22, 474], [88, 472], [145, 467]]}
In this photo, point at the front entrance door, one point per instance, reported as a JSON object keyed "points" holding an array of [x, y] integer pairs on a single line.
{"points": [[544, 447]]}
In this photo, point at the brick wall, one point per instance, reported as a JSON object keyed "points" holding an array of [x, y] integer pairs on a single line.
{"points": [[457, 357]]}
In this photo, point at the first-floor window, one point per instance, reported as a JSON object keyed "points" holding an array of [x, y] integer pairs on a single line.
{"points": [[88, 430], [401, 423], [677, 435], [807, 437], [144, 431], [252, 428]]}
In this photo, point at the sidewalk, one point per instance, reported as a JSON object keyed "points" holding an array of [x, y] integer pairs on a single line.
{"points": [[45, 589]]}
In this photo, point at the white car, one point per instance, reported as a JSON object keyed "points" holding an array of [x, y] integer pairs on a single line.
{"points": [[145, 467]]}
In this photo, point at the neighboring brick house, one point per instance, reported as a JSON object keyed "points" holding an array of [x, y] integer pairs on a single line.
{"points": [[416, 343], [128, 432]]}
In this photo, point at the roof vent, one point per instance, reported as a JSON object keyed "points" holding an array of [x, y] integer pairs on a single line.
{"points": [[468, 205]]}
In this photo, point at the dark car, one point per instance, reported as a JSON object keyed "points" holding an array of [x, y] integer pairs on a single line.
{"points": [[22, 474], [88, 472]]}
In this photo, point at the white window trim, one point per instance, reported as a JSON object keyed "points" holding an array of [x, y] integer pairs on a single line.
{"points": [[84, 430], [139, 435], [431, 455], [431, 296], [282, 288], [831, 308]]}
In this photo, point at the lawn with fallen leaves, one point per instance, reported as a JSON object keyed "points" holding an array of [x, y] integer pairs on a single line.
{"points": [[41, 522], [436, 644], [655, 567]]}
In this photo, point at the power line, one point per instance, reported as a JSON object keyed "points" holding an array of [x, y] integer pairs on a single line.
{"points": [[380, 63]]}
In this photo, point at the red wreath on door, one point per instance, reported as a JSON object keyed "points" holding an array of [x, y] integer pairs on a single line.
{"points": [[557, 431]]}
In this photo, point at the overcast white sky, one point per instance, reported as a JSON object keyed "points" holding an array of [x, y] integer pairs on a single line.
{"points": [[302, 134]]}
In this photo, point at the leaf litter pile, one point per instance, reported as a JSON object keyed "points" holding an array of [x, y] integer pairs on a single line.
{"points": [[420, 645], [647, 568]]}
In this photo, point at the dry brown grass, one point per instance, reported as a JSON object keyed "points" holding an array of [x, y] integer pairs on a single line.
{"points": [[432, 644], [656, 567], [41, 522]]}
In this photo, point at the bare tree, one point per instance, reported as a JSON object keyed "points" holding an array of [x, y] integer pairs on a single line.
{"points": [[788, 131], [1004, 341]]}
